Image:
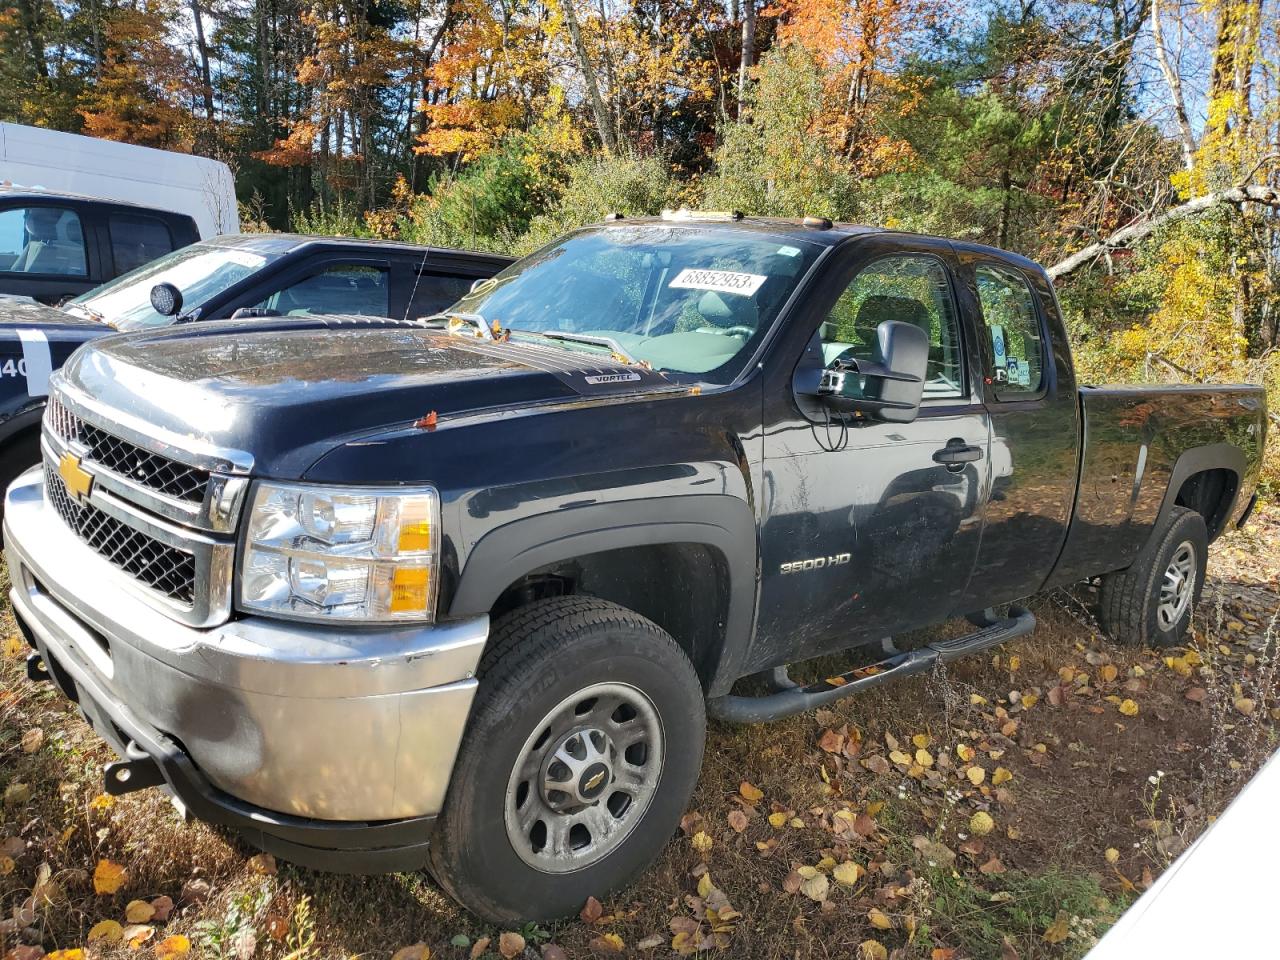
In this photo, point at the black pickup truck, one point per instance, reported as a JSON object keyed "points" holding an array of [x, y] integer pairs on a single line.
{"points": [[462, 594], [247, 275]]}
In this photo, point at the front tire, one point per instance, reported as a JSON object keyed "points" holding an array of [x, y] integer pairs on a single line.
{"points": [[582, 751], [1150, 603]]}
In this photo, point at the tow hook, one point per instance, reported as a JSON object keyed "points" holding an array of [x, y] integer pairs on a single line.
{"points": [[138, 772], [37, 672]]}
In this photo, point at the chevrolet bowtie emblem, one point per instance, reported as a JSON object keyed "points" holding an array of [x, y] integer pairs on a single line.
{"points": [[594, 781], [79, 481]]}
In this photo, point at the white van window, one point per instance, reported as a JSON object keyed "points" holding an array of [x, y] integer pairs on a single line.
{"points": [[42, 240]]}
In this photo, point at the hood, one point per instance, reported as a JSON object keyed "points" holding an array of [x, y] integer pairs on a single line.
{"points": [[24, 313], [286, 397]]}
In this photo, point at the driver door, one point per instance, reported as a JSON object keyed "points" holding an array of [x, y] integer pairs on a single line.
{"points": [[864, 531]]}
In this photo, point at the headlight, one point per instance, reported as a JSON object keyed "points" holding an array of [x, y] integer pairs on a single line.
{"points": [[346, 553]]}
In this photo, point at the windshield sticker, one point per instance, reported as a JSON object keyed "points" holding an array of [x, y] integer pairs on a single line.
{"points": [[722, 281], [788, 251], [250, 260]]}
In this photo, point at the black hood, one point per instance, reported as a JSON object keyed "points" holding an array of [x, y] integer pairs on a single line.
{"points": [[287, 397], [21, 312]]}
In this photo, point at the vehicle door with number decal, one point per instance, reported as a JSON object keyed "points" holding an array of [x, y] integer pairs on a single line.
{"points": [[871, 527]]}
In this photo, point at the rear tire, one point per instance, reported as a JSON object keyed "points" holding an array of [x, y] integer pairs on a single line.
{"points": [[583, 748], [1150, 603]]}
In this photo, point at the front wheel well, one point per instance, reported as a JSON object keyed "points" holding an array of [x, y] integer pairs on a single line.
{"points": [[682, 587], [1210, 493]]}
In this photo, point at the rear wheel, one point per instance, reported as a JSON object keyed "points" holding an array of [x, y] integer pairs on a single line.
{"points": [[1151, 602], [583, 747]]}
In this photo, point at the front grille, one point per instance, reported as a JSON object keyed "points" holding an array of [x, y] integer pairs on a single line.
{"points": [[129, 460], [166, 569]]}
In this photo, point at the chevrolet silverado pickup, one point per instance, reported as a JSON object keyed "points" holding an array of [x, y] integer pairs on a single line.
{"points": [[245, 275], [461, 594]]}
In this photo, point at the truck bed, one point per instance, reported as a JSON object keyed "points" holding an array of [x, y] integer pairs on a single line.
{"points": [[1140, 446]]}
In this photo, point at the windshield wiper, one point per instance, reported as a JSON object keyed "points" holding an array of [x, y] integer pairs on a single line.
{"points": [[477, 321], [591, 340]]}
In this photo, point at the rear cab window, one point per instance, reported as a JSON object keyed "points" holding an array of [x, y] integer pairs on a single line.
{"points": [[137, 239], [1013, 331], [42, 240]]}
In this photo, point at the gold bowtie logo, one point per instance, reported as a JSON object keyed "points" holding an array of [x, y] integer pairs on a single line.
{"points": [[79, 481], [594, 781]]}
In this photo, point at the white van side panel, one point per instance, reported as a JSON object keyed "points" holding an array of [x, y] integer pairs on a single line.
{"points": [[65, 162]]}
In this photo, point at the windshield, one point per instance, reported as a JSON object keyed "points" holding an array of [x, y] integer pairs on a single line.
{"points": [[200, 271], [683, 299]]}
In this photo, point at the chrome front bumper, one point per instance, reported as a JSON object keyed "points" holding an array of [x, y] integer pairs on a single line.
{"points": [[305, 721]]}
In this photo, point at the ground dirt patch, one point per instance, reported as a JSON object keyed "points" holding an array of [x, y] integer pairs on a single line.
{"points": [[1009, 807]]}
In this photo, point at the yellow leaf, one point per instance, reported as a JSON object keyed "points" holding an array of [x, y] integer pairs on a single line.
{"points": [[73, 954], [964, 752], [872, 950], [879, 920], [1029, 700], [977, 700], [847, 873], [108, 877], [179, 946], [1015, 662], [797, 823], [777, 819], [1001, 776], [924, 758], [1129, 708], [510, 945], [136, 934], [1059, 929], [981, 823], [705, 886], [921, 740], [108, 931], [139, 911], [976, 775], [103, 801], [701, 842], [1109, 673], [611, 941], [263, 864], [897, 756], [415, 951], [750, 792], [1244, 705], [1112, 855], [7, 865], [815, 887]]}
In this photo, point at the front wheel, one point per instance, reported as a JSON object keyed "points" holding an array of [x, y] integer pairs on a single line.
{"points": [[1151, 602], [583, 748]]}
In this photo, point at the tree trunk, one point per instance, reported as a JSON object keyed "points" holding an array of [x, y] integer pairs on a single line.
{"points": [[29, 15], [1174, 81], [604, 123], [202, 48], [748, 46]]}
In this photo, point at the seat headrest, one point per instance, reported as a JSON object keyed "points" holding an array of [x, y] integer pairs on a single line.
{"points": [[728, 310]]}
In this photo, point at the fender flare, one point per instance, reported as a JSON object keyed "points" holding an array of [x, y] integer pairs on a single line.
{"points": [[718, 521], [1217, 456], [26, 419]]}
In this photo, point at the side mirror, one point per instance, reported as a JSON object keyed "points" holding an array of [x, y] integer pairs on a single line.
{"points": [[890, 390], [166, 299]]}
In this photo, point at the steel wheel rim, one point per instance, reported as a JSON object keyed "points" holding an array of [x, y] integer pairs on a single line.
{"points": [[584, 778], [1177, 586]]}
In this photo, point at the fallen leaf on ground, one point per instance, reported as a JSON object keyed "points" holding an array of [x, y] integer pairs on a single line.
{"points": [[510, 945], [1129, 708], [263, 864], [32, 739], [976, 775], [163, 906], [737, 820], [592, 910], [701, 841], [16, 794], [108, 877], [847, 874], [1112, 855], [107, 931], [1059, 929], [179, 946], [1244, 705], [981, 823], [872, 950], [750, 792], [879, 919], [139, 911], [1000, 776], [607, 943], [816, 886], [136, 934]]}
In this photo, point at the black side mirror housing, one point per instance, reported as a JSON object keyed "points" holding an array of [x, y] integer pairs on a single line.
{"points": [[166, 299], [889, 390]]}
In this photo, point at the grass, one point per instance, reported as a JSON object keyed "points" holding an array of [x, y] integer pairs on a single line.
{"points": [[1086, 778]]}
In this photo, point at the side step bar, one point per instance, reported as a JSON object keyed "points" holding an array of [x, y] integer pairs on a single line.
{"points": [[787, 701]]}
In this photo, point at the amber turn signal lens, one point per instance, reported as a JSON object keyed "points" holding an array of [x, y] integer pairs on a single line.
{"points": [[410, 589]]}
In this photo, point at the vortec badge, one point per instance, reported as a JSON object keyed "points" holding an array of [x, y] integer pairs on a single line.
{"points": [[79, 481], [600, 378]]}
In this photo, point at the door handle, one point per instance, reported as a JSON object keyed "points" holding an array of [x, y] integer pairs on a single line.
{"points": [[956, 454]]}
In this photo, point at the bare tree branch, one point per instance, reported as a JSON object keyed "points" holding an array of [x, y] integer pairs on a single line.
{"points": [[1174, 81], [1134, 232]]}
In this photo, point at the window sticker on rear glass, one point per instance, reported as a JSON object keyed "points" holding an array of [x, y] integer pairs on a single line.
{"points": [[722, 281], [245, 259]]}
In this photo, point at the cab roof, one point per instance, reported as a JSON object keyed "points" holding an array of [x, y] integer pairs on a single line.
{"points": [[289, 242]]}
